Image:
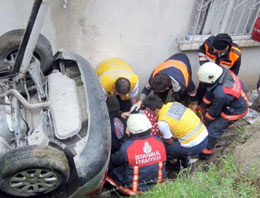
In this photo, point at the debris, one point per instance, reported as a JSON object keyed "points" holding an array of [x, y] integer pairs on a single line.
{"points": [[252, 116]]}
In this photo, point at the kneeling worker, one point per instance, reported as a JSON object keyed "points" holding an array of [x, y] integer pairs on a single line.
{"points": [[225, 101], [174, 74], [140, 162], [118, 79], [183, 132]]}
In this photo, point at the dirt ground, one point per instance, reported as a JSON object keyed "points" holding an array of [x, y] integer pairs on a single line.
{"points": [[242, 140]]}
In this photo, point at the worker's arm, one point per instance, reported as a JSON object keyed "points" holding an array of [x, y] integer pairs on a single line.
{"points": [[191, 89], [169, 141], [138, 103], [134, 92], [202, 54], [117, 158], [235, 68], [166, 132], [215, 108]]}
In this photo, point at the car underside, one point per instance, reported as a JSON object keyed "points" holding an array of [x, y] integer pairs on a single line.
{"points": [[55, 131]]}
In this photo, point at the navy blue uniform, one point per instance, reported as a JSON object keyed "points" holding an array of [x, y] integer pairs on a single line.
{"points": [[139, 164], [177, 67], [230, 60], [226, 102]]}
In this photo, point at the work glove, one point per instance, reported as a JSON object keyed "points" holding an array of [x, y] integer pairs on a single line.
{"points": [[136, 106]]}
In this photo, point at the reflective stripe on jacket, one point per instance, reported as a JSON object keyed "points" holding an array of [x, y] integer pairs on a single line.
{"points": [[108, 74], [233, 55], [178, 67], [174, 64], [184, 124], [139, 164], [229, 102], [230, 60]]}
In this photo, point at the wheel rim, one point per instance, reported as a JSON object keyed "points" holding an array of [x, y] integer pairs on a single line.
{"points": [[34, 181]]}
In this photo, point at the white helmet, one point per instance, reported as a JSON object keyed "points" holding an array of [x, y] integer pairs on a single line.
{"points": [[209, 72], [138, 123]]}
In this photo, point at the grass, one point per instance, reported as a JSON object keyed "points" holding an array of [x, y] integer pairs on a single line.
{"points": [[242, 132], [222, 181]]}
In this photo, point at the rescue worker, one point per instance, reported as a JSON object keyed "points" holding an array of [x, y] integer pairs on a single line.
{"points": [[224, 103], [118, 124], [183, 132], [140, 162], [221, 50], [175, 74], [118, 78]]}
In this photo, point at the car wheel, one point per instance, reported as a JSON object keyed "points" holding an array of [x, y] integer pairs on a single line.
{"points": [[10, 42], [33, 170]]}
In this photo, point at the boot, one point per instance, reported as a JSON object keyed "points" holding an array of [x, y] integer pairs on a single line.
{"points": [[206, 153]]}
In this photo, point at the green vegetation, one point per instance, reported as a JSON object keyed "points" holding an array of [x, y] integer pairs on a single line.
{"points": [[242, 132], [212, 181]]}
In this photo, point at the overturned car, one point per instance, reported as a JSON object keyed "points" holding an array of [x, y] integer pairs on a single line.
{"points": [[54, 125]]}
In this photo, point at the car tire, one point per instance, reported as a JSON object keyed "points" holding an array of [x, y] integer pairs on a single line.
{"points": [[10, 42], [33, 170]]}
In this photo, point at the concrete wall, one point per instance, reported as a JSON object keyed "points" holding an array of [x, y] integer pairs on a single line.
{"points": [[142, 32]]}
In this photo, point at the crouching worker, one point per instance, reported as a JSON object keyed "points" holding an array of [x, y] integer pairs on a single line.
{"points": [[174, 74], [118, 79], [225, 101], [183, 132], [140, 162]]}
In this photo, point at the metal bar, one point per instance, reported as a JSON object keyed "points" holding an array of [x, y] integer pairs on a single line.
{"points": [[239, 4], [241, 15], [197, 22], [254, 5], [203, 6], [24, 101], [211, 6], [31, 35], [226, 16], [251, 29], [248, 17], [228, 29], [222, 5], [27, 33]]}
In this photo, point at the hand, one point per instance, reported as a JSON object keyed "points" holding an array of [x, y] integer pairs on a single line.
{"points": [[136, 106], [193, 93], [206, 121], [125, 114], [196, 108]]}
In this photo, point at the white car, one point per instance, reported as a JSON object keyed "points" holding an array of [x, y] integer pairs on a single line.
{"points": [[55, 134]]}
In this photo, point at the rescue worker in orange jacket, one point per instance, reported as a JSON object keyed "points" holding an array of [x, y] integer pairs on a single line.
{"points": [[175, 73], [118, 79], [225, 101], [140, 162], [221, 50]]}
